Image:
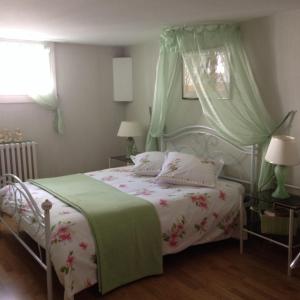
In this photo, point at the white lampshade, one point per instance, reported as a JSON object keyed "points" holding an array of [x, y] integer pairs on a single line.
{"points": [[283, 151], [130, 129]]}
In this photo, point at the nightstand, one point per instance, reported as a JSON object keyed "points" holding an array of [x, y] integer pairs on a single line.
{"points": [[274, 220], [122, 158]]}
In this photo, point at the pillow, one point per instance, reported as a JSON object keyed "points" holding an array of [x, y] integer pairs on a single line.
{"points": [[187, 169], [148, 163], [219, 164]]}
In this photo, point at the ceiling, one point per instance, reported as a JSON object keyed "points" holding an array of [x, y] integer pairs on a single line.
{"points": [[121, 22]]}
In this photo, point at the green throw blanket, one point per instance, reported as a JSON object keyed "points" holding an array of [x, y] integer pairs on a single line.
{"points": [[126, 228]]}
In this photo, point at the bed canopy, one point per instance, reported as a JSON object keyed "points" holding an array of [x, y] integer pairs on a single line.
{"points": [[221, 75]]}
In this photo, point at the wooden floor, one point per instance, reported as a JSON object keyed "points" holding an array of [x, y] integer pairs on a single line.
{"points": [[213, 271]]}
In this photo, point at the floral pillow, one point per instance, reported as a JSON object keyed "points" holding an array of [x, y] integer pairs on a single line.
{"points": [[148, 163], [186, 169]]}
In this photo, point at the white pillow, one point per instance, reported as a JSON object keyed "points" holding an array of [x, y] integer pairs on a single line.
{"points": [[219, 164], [187, 169], [148, 163]]}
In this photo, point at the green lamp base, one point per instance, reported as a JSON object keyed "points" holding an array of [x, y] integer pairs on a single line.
{"points": [[280, 192], [131, 147]]}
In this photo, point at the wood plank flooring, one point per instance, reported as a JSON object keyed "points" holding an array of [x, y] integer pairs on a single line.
{"points": [[213, 271]]}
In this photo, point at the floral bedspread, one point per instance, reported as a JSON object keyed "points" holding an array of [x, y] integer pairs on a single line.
{"points": [[188, 216]]}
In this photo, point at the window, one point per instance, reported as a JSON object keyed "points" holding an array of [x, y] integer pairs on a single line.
{"points": [[188, 89], [25, 69], [213, 68]]}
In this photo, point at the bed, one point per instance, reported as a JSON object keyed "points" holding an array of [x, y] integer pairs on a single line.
{"points": [[188, 215]]}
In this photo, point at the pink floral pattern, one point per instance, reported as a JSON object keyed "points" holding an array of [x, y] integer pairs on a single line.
{"points": [[222, 195], [23, 208], [188, 215], [175, 233], [163, 202], [202, 225], [88, 283], [200, 200], [108, 178], [144, 192], [61, 232], [68, 266], [228, 223], [83, 245], [172, 166], [64, 213], [215, 215]]}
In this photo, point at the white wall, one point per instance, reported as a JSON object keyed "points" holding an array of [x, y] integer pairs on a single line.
{"points": [[84, 79], [182, 113], [144, 57], [273, 46]]}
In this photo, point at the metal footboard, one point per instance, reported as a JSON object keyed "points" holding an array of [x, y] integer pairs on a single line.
{"points": [[21, 196]]}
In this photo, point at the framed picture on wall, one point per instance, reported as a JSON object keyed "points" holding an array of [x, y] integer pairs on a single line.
{"points": [[188, 90], [213, 68]]}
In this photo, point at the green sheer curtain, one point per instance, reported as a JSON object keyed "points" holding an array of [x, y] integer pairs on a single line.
{"points": [[50, 102], [49, 99], [28, 68], [168, 67], [224, 83]]}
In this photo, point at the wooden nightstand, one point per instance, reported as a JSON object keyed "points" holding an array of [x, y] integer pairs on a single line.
{"points": [[122, 158], [274, 220]]}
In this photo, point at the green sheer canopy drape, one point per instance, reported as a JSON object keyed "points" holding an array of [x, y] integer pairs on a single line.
{"points": [[224, 83]]}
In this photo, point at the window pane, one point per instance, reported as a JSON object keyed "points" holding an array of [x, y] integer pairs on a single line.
{"points": [[24, 69], [212, 68], [189, 91]]}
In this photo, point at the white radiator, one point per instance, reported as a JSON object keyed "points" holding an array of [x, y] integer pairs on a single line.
{"points": [[19, 159]]}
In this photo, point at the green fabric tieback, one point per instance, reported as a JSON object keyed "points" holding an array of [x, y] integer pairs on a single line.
{"points": [[51, 103]]}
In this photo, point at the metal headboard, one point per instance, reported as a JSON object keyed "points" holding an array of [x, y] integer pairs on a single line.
{"points": [[205, 144]]}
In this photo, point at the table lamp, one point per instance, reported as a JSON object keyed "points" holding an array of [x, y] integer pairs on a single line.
{"points": [[130, 129], [282, 152]]}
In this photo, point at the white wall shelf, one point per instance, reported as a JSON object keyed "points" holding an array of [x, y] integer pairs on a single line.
{"points": [[122, 79]]}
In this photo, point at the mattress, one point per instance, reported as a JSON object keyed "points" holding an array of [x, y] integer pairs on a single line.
{"points": [[188, 216]]}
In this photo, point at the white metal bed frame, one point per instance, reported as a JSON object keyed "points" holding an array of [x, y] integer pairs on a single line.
{"points": [[251, 150], [20, 194]]}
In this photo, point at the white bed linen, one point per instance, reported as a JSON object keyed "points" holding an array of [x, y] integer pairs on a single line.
{"points": [[188, 216]]}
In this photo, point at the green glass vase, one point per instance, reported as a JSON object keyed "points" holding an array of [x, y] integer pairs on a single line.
{"points": [[280, 174], [131, 147]]}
